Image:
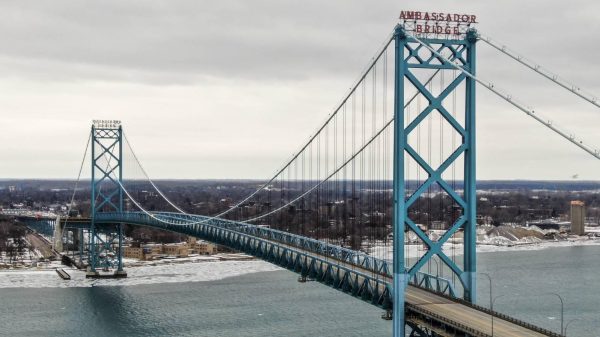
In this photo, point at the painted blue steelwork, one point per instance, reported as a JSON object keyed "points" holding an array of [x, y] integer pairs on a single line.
{"points": [[408, 58], [42, 226], [400, 279], [379, 269], [105, 243], [354, 273], [470, 262]]}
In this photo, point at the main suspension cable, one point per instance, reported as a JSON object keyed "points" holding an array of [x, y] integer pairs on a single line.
{"points": [[544, 72], [148, 177], [87, 145], [509, 98]]}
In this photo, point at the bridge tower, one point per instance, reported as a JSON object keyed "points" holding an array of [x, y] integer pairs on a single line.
{"points": [[412, 56], [106, 241]]}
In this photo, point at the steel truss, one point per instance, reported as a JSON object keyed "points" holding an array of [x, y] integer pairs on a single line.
{"points": [[106, 240], [408, 60]]}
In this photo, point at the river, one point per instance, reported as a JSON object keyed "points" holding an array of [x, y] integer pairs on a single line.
{"points": [[273, 303]]}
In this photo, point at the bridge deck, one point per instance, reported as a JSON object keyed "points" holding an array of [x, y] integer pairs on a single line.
{"points": [[453, 313], [420, 299], [422, 306]]}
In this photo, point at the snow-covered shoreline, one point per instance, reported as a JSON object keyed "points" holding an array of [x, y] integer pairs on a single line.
{"points": [[202, 269], [414, 251], [484, 248], [136, 275]]}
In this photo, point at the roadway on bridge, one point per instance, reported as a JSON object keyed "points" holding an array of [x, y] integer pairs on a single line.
{"points": [[453, 313], [430, 304], [465, 315]]}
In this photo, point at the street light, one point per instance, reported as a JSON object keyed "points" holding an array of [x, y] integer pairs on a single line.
{"points": [[492, 309], [437, 266], [569, 322], [562, 331], [495, 298], [562, 312], [491, 301]]}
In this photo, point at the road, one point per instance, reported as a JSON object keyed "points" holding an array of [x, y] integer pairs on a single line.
{"points": [[447, 311], [40, 244], [452, 313], [465, 315]]}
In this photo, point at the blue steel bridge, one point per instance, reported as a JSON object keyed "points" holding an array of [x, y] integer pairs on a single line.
{"points": [[374, 204]]}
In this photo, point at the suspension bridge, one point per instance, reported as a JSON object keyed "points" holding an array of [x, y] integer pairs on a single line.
{"points": [[382, 191]]}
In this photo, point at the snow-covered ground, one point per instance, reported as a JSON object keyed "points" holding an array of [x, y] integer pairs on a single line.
{"points": [[413, 251], [163, 272]]}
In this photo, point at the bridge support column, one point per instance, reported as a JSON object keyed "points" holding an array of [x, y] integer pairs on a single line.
{"points": [[470, 237], [399, 187], [57, 243], [415, 69], [106, 239]]}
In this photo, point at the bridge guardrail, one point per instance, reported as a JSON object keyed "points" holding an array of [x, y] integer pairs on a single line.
{"points": [[497, 314], [141, 218], [343, 254], [346, 255], [446, 321]]}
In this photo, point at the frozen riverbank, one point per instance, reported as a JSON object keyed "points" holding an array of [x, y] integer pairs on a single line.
{"points": [[164, 272], [211, 268], [417, 250]]}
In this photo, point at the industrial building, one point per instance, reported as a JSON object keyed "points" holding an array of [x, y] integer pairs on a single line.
{"points": [[577, 217]]}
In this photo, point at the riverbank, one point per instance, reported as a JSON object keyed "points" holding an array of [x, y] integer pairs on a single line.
{"points": [[455, 249], [210, 268], [167, 272]]}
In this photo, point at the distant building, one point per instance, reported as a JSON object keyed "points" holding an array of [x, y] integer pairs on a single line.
{"points": [[438, 225], [133, 253], [175, 249], [204, 248], [577, 217], [152, 251]]}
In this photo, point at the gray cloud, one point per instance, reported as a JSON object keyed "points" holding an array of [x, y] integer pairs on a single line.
{"points": [[227, 77]]}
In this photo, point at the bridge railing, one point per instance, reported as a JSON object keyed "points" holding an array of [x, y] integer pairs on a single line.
{"points": [[342, 254]]}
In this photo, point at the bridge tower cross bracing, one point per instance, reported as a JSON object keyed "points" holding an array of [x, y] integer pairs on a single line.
{"points": [[410, 58], [106, 241]]}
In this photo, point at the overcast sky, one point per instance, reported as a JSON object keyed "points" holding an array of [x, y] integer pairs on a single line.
{"points": [[230, 89]]}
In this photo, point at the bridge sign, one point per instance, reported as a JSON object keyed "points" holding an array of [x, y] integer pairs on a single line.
{"points": [[436, 24]]}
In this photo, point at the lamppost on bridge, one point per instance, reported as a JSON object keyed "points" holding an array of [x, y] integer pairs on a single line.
{"points": [[562, 312], [568, 323], [437, 267], [492, 309], [491, 301]]}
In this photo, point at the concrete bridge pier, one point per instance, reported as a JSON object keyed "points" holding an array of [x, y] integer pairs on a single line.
{"points": [[57, 243]]}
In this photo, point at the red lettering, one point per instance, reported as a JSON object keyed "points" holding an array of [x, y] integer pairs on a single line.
{"points": [[406, 15], [419, 28], [456, 31], [426, 17], [465, 18], [418, 15], [456, 18], [473, 19]]}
